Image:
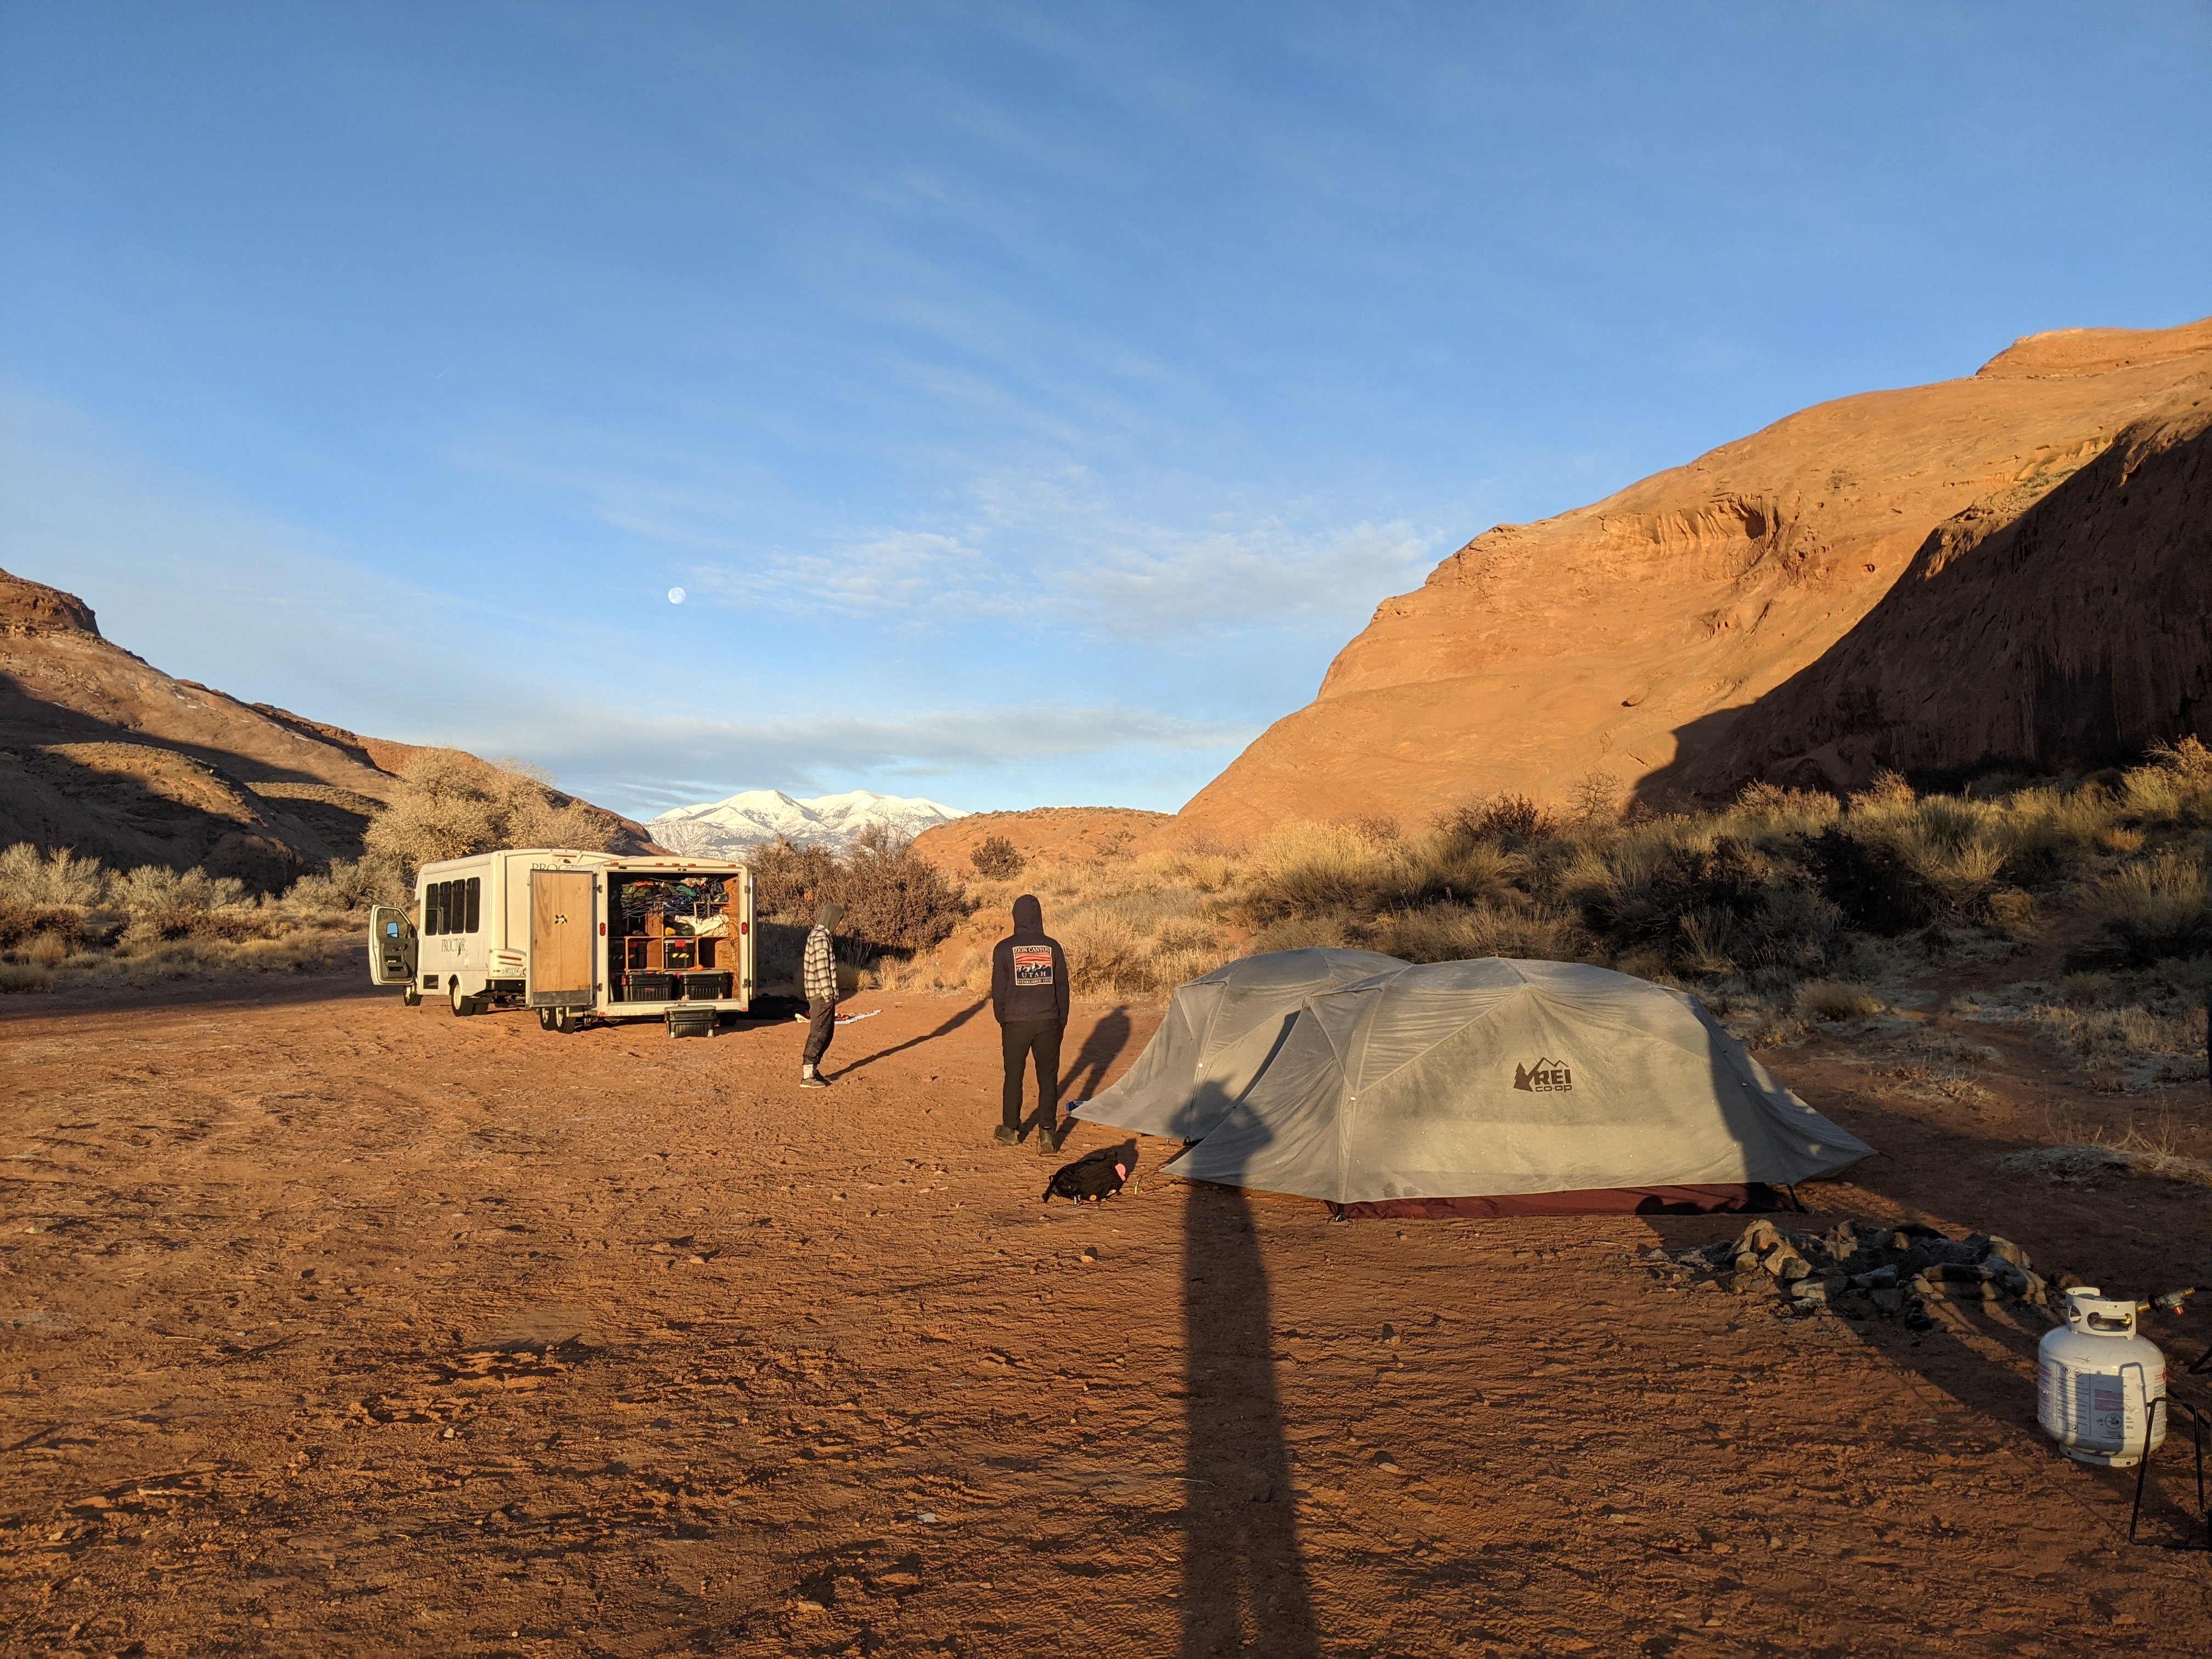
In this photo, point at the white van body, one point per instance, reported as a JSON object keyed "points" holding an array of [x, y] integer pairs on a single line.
{"points": [[485, 931]]}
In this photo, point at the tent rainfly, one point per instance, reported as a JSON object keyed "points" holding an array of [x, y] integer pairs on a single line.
{"points": [[1219, 1031], [1496, 1087]]}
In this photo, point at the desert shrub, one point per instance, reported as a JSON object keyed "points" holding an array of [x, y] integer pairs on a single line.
{"points": [[49, 880], [2089, 989], [1768, 809], [1656, 889], [1106, 956], [1311, 869], [2156, 907], [894, 901], [1327, 930], [1510, 820], [789, 880], [1831, 999], [156, 889], [1876, 887], [2172, 787], [350, 885], [1888, 789], [1455, 932], [21, 922], [450, 804], [998, 859], [17, 978]]}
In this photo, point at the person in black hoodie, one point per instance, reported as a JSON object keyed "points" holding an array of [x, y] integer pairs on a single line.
{"points": [[1029, 994]]}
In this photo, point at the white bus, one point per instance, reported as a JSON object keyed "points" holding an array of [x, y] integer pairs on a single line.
{"points": [[571, 933]]}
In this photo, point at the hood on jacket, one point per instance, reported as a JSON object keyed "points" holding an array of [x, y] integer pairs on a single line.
{"points": [[1029, 916], [827, 916]]}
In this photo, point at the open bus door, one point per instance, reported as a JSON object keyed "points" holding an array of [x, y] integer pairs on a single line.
{"points": [[562, 980], [392, 952]]}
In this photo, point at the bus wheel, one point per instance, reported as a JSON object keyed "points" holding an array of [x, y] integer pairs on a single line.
{"points": [[463, 1005], [411, 997]]}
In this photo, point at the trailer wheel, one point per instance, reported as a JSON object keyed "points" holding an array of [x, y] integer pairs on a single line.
{"points": [[565, 1021], [411, 997], [544, 1019], [463, 1005]]}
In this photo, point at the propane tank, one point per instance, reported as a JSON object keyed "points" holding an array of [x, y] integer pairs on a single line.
{"points": [[2096, 1381]]}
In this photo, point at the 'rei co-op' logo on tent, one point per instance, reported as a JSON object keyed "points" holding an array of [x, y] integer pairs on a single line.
{"points": [[1544, 1077]]}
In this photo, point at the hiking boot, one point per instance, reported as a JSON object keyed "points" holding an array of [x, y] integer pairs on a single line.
{"points": [[1007, 1137], [813, 1081], [1048, 1142]]}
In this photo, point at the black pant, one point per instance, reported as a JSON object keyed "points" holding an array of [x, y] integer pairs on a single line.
{"points": [[1017, 1040], [821, 1026]]}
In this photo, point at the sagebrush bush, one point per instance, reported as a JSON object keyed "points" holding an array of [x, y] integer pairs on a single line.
{"points": [[47, 880], [893, 901], [997, 858]]}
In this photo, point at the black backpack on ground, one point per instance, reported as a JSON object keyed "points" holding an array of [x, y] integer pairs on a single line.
{"points": [[1092, 1178]]}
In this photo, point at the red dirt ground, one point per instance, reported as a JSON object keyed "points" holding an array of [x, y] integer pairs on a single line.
{"points": [[337, 1327]]}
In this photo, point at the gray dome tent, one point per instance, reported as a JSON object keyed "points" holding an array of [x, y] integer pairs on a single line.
{"points": [[1219, 1031], [1497, 1087]]}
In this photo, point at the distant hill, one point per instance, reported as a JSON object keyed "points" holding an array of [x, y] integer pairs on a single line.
{"points": [[755, 817], [1051, 835], [103, 753], [1943, 578]]}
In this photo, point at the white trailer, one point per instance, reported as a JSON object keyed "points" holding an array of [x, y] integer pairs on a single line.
{"points": [[571, 933]]}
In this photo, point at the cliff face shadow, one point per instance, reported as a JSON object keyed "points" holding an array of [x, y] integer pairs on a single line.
{"points": [[1244, 1585], [1665, 789]]}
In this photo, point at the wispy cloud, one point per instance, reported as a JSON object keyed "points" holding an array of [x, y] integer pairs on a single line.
{"points": [[654, 762]]}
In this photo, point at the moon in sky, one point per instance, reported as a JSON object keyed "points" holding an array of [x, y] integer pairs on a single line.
{"points": [[676, 596]]}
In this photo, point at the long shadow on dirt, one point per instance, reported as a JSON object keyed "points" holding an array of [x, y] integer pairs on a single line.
{"points": [[945, 1029], [1099, 1052], [1243, 1579]]}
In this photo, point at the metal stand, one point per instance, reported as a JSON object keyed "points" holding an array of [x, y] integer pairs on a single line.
{"points": [[2198, 1425]]}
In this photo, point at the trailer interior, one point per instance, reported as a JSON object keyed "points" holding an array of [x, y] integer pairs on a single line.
{"points": [[674, 937]]}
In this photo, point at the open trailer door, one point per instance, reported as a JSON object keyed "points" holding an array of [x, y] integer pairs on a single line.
{"points": [[561, 935], [391, 953]]}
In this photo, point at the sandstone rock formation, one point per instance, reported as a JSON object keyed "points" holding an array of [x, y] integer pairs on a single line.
{"points": [[102, 752], [1613, 649], [2065, 639]]}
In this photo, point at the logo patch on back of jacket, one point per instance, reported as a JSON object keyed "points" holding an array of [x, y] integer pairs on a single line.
{"points": [[1032, 964]]}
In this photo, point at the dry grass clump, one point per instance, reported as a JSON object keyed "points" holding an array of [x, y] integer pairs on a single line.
{"points": [[2076, 1166], [1834, 1002], [2156, 906], [2094, 1152]]}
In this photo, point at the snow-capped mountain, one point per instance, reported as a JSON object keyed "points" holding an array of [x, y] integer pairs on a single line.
{"points": [[726, 828]]}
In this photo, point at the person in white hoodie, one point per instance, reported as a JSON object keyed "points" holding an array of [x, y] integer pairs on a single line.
{"points": [[817, 977]]}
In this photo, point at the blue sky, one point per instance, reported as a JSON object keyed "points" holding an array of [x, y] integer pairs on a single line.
{"points": [[1031, 399]]}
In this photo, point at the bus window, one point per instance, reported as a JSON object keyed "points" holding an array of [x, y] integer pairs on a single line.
{"points": [[476, 897]]}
